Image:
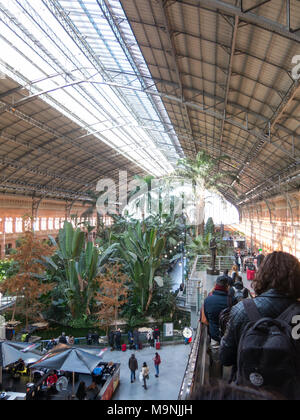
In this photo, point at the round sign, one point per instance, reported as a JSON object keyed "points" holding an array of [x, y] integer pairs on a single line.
{"points": [[256, 379], [188, 333]]}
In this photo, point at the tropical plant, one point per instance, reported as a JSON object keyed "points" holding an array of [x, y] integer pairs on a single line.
{"points": [[203, 175], [142, 251], [201, 245], [210, 226], [81, 265], [7, 269]]}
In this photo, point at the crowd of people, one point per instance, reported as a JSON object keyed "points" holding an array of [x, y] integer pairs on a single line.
{"points": [[145, 372], [244, 259], [134, 339], [253, 332]]}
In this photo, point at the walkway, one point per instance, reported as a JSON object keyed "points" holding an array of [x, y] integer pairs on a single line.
{"points": [[6, 302], [167, 387], [177, 276]]}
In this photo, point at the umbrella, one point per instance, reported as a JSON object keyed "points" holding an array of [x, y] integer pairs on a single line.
{"points": [[70, 359], [12, 352]]}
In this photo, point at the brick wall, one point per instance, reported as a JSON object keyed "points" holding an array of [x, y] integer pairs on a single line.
{"points": [[49, 217], [273, 224]]}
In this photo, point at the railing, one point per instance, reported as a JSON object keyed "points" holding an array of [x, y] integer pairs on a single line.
{"points": [[6, 302], [222, 262], [197, 370], [82, 341]]}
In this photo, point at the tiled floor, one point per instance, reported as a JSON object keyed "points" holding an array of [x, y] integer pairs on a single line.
{"points": [[166, 387]]}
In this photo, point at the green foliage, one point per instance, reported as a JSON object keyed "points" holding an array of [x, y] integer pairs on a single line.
{"points": [[202, 171], [200, 245], [141, 251], [75, 267], [8, 268], [209, 227], [163, 305]]}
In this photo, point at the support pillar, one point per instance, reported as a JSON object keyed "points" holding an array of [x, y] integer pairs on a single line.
{"points": [[36, 201], [68, 208]]}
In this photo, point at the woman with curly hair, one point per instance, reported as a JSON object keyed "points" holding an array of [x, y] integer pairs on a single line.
{"points": [[277, 287]]}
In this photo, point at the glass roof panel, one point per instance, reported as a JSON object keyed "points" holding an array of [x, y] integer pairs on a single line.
{"points": [[73, 52]]}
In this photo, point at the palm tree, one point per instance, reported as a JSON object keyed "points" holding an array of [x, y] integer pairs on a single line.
{"points": [[201, 171]]}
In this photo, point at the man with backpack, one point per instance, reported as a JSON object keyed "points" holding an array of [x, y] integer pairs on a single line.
{"points": [[259, 339], [214, 305], [238, 291]]}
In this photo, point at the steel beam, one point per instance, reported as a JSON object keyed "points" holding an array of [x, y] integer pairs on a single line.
{"points": [[234, 37], [252, 18], [174, 56]]}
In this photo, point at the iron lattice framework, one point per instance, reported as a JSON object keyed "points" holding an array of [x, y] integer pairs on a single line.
{"points": [[74, 106], [224, 70], [99, 85]]}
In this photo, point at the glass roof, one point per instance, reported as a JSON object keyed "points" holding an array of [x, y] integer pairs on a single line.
{"points": [[84, 58]]}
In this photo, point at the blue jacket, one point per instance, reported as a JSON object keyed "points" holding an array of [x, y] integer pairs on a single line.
{"points": [[213, 306]]}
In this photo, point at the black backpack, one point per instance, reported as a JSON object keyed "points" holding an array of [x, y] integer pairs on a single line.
{"points": [[225, 317], [239, 294], [268, 355]]}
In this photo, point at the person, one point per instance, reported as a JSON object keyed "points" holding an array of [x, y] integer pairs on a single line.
{"points": [[136, 338], [277, 287], [71, 341], [63, 339], [97, 374], [20, 366], [156, 335], [133, 366], [157, 363], [234, 272], [89, 338], [94, 390], [214, 305], [150, 337], [238, 261], [51, 344], [52, 379], [238, 291], [111, 339], [145, 375], [260, 258], [81, 393], [95, 338], [118, 336], [229, 279], [130, 340]]}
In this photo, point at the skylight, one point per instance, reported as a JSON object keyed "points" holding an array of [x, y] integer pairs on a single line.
{"points": [[50, 44]]}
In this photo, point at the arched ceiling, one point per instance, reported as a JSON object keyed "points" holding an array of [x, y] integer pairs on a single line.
{"points": [[181, 75], [224, 69]]}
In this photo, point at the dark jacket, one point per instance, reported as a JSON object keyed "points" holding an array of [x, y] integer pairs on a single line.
{"points": [[133, 364], [270, 305], [230, 280], [239, 286], [118, 336], [213, 306], [62, 339], [156, 334]]}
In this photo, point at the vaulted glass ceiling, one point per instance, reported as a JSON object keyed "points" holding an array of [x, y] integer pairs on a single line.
{"points": [[81, 57]]}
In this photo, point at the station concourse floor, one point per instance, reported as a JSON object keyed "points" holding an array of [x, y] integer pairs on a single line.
{"points": [[166, 387]]}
